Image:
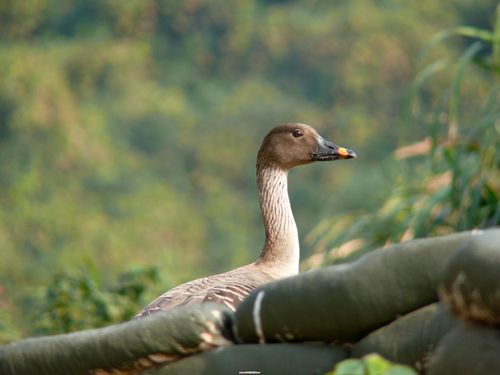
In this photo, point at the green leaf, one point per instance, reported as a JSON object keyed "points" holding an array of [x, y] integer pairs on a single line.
{"points": [[496, 37], [349, 367], [371, 364], [456, 85]]}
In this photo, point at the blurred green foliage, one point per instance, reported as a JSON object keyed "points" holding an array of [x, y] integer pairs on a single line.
{"points": [[448, 182], [78, 301], [129, 129]]}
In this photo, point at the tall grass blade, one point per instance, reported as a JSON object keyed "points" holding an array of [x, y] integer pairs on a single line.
{"points": [[496, 39], [456, 85]]}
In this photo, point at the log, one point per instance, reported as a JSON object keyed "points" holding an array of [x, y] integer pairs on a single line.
{"points": [[160, 337], [468, 349], [290, 359], [345, 302], [471, 282], [411, 339]]}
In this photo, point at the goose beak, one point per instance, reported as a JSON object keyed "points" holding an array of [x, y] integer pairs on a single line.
{"points": [[327, 150]]}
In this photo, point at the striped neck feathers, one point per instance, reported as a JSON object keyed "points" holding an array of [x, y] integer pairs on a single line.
{"points": [[281, 251]]}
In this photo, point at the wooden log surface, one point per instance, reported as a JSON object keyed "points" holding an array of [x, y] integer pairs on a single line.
{"points": [[174, 334], [468, 349], [410, 339], [471, 280], [290, 359], [345, 302]]}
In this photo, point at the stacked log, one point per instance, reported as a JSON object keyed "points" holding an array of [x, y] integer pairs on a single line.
{"points": [[432, 304]]}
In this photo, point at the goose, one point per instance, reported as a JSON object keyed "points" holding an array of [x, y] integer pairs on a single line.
{"points": [[284, 147]]}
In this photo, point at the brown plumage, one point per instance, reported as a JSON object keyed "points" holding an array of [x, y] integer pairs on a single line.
{"points": [[285, 147]]}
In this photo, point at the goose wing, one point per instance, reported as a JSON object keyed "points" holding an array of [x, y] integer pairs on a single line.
{"points": [[228, 293], [228, 289]]}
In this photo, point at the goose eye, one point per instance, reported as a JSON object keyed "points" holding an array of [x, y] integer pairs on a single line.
{"points": [[298, 133]]}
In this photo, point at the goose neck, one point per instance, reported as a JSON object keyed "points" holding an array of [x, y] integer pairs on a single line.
{"points": [[281, 247]]}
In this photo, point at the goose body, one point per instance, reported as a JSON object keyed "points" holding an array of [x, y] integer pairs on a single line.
{"points": [[285, 147]]}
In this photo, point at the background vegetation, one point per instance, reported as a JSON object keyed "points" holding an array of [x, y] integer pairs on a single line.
{"points": [[128, 134]]}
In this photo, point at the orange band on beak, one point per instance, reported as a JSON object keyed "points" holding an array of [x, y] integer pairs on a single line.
{"points": [[343, 152]]}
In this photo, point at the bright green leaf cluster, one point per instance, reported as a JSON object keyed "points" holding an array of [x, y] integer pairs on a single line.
{"points": [[372, 364]]}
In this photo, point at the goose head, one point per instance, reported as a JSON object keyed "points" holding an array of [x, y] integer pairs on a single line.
{"points": [[290, 145]]}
